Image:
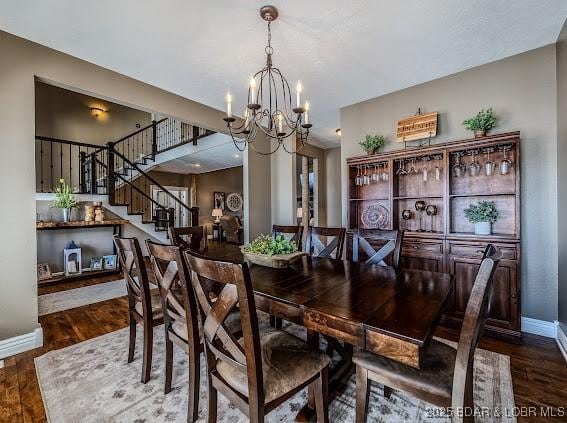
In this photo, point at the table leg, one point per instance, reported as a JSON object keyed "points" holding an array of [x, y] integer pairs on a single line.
{"points": [[337, 375]]}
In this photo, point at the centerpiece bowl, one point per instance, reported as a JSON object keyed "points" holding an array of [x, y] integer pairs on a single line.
{"points": [[276, 253]]}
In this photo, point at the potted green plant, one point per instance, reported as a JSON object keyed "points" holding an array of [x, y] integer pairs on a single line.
{"points": [[483, 122], [372, 143], [483, 215], [64, 199], [265, 251]]}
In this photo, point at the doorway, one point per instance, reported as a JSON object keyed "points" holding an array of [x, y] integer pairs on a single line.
{"points": [[181, 214]]}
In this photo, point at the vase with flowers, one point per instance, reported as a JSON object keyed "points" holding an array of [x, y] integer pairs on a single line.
{"points": [[64, 199]]}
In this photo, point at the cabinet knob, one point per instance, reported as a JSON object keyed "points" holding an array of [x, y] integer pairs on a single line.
{"points": [[415, 247], [480, 251]]}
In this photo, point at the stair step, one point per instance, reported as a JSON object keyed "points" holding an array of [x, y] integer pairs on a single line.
{"points": [[120, 204], [148, 221], [136, 213]]}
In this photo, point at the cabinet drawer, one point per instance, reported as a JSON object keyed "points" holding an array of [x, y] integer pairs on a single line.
{"points": [[410, 247], [475, 250]]}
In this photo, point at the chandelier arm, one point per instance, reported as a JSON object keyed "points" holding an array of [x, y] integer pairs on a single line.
{"points": [[266, 154], [286, 93]]}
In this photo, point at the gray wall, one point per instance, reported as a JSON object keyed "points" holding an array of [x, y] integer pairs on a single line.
{"points": [[522, 90], [562, 171], [66, 114], [224, 180], [22, 62]]}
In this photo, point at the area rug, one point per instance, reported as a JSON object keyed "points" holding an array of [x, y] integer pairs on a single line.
{"points": [[91, 382], [78, 297]]}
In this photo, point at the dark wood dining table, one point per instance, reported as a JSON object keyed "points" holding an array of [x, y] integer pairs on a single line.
{"points": [[391, 312]]}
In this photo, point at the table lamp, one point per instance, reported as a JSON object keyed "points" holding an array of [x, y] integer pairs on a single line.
{"points": [[217, 214]]}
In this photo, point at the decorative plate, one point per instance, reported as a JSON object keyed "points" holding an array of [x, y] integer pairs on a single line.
{"points": [[234, 202], [374, 216]]}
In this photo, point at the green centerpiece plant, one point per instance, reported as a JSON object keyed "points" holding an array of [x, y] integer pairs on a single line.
{"points": [[64, 199], [483, 215], [264, 244], [372, 143], [483, 122], [277, 252]]}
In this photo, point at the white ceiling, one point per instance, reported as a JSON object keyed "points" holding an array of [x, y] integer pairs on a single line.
{"points": [[205, 160], [343, 52]]}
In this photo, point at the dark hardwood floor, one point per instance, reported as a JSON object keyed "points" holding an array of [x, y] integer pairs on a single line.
{"points": [[539, 371]]}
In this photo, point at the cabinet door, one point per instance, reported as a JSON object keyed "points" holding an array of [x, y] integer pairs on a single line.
{"points": [[422, 255], [504, 301]]}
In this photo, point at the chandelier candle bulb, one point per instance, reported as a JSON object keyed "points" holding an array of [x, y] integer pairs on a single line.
{"points": [[246, 116], [252, 90], [306, 112], [228, 99], [280, 123], [299, 88]]}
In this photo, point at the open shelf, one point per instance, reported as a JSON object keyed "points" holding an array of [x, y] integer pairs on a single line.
{"points": [[422, 197], [85, 274], [481, 194], [368, 199]]}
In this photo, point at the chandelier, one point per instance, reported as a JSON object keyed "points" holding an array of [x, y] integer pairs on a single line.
{"points": [[269, 105]]}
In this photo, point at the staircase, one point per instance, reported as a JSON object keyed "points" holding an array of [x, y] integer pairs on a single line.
{"points": [[120, 171]]}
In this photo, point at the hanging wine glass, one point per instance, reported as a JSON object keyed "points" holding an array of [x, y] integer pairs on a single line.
{"points": [[505, 164], [385, 175], [424, 169], [375, 174], [367, 178], [489, 165], [458, 167], [412, 169], [401, 170], [437, 168], [473, 167], [357, 180]]}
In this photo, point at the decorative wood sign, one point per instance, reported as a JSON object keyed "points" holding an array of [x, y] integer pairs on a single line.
{"points": [[417, 127]]}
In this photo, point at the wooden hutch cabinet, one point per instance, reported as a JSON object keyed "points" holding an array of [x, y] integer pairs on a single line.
{"points": [[383, 192]]}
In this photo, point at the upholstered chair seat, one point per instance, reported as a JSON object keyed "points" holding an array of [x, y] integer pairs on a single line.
{"points": [[156, 306], [281, 354], [433, 378]]}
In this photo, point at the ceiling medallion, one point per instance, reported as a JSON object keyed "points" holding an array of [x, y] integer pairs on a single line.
{"points": [[269, 107]]}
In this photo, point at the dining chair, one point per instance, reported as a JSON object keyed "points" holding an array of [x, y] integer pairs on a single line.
{"points": [[316, 248], [445, 377], [144, 306], [232, 229], [188, 237], [297, 232], [390, 241], [179, 316], [262, 369]]}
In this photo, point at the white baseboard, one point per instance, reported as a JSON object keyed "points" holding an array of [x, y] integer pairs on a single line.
{"points": [[19, 344], [539, 327], [561, 340]]}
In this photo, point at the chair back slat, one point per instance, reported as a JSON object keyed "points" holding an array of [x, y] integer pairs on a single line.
{"points": [[177, 297], [135, 274], [473, 323], [296, 231], [392, 245], [236, 295], [188, 237], [315, 247]]}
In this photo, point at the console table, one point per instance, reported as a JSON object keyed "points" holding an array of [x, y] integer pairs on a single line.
{"points": [[115, 224]]}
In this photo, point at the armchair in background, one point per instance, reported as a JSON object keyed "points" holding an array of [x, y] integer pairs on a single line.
{"points": [[232, 229]]}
